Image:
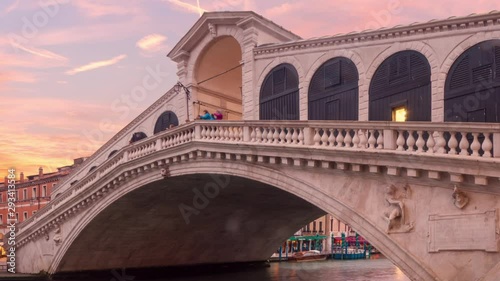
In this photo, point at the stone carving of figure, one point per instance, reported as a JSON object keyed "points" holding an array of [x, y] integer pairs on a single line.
{"points": [[460, 199], [213, 31], [396, 207], [165, 172], [58, 237], [395, 216]]}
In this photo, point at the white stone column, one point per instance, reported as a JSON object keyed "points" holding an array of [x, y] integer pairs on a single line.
{"points": [[328, 232]]}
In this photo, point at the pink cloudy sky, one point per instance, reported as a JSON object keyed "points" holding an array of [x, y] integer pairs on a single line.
{"points": [[66, 65]]}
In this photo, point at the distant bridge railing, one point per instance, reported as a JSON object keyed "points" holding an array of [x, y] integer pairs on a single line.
{"points": [[475, 141]]}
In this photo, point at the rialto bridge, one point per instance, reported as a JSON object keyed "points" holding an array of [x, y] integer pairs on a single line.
{"points": [[310, 129]]}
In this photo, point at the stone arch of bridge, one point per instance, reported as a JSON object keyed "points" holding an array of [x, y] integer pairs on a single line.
{"points": [[412, 267]]}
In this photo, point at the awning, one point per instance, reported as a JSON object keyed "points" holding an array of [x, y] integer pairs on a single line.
{"points": [[305, 238]]}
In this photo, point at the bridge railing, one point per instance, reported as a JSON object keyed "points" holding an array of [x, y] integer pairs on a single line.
{"points": [[466, 140], [480, 142]]}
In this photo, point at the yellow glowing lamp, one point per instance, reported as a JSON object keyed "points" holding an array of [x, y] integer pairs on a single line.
{"points": [[399, 114]]}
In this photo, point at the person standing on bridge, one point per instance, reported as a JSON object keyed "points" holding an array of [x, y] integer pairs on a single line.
{"points": [[206, 115], [218, 115]]}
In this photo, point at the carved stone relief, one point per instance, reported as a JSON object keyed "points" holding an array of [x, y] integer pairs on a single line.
{"points": [[58, 236], [165, 172], [212, 29], [460, 198], [474, 231], [396, 214]]}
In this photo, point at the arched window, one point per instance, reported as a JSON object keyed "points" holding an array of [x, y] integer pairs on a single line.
{"points": [[472, 88], [279, 96], [112, 153], [400, 89], [137, 136], [165, 121], [91, 169], [333, 92]]}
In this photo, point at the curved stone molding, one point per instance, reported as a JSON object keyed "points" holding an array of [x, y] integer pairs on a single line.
{"points": [[233, 31]]}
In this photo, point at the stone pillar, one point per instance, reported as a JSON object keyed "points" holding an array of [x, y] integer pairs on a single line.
{"points": [[496, 145], [328, 233]]}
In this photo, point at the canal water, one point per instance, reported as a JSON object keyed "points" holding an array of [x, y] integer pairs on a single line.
{"points": [[331, 270]]}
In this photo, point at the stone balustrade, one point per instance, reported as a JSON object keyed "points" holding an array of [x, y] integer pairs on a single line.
{"points": [[478, 142]]}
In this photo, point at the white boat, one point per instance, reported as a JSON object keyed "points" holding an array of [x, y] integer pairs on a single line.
{"points": [[313, 255]]}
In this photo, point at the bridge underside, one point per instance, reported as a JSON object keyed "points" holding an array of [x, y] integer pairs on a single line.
{"points": [[246, 221]]}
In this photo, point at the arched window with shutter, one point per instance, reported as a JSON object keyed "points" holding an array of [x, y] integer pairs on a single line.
{"points": [[137, 136], [333, 91], [166, 119], [112, 153], [279, 95], [472, 88], [402, 83]]}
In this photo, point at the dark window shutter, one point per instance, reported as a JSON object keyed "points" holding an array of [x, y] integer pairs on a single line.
{"points": [[460, 77], [380, 79], [497, 62], [291, 80], [317, 82], [349, 72], [332, 74], [418, 67], [267, 91], [279, 81], [166, 119], [403, 67], [279, 96], [482, 74], [393, 68], [475, 71]]}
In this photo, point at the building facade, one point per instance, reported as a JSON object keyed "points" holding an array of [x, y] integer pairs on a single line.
{"points": [[32, 193]]}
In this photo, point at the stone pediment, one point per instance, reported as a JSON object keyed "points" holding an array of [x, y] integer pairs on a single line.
{"points": [[208, 22]]}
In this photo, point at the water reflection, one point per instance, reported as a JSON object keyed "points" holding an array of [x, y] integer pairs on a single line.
{"points": [[355, 270]]}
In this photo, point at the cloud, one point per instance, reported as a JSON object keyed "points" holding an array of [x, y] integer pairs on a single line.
{"points": [[27, 60], [21, 77], [224, 5], [152, 43], [11, 7], [92, 32], [39, 52], [96, 64], [97, 9], [283, 9], [328, 17], [187, 7], [36, 138]]}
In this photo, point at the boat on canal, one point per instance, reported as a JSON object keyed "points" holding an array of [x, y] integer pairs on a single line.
{"points": [[312, 255]]}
